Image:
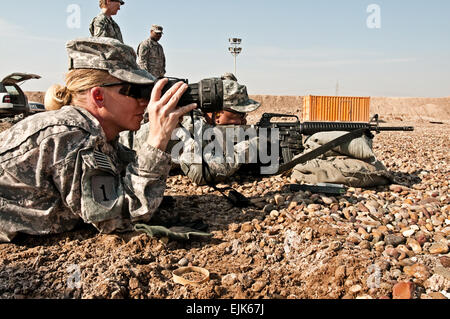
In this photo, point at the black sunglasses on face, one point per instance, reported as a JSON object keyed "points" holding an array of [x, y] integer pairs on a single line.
{"points": [[133, 90]]}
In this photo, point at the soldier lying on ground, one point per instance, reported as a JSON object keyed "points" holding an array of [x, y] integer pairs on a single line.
{"points": [[62, 167], [237, 105]]}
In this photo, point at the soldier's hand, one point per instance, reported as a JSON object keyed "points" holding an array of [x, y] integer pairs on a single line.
{"points": [[164, 115]]}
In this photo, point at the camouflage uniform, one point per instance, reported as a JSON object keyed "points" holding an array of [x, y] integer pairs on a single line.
{"points": [[57, 168], [151, 55], [220, 166], [104, 26]]}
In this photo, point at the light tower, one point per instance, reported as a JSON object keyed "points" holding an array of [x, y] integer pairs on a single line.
{"points": [[235, 49]]}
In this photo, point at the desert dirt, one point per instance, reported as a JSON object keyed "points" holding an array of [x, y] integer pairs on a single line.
{"points": [[289, 245]]}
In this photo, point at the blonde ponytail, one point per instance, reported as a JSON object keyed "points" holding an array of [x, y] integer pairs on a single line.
{"points": [[56, 97], [77, 83]]}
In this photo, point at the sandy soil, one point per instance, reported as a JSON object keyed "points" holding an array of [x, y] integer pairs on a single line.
{"points": [[288, 245]]}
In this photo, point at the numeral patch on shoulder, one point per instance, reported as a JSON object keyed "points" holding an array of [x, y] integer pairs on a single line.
{"points": [[104, 190]]}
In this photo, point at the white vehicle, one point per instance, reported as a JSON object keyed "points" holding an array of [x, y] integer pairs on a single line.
{"points": [[13, 100]]}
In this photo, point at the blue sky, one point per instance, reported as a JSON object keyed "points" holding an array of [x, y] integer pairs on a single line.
{"points": [[290, 47]]}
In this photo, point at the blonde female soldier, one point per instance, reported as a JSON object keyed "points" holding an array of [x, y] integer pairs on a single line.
{"points": [[61, 167]]}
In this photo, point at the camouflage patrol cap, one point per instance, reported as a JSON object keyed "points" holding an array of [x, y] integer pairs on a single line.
{"points": [[107, 54], [235, 98], [229, 76], [157, 28]]}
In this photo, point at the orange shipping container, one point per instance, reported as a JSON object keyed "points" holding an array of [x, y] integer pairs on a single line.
{"points": [[336, 108]]}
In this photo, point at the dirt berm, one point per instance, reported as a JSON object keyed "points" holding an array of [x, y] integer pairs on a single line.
{"points": [[389, 108]]}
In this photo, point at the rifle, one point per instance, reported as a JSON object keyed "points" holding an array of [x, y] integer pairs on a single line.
{"points": [[291, 143], [291, 133]]}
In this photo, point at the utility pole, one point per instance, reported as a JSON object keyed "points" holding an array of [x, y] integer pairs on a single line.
{"points": [[235, 50]]}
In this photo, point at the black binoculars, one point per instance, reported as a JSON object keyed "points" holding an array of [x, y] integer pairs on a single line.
{"points": [[208, 93]]}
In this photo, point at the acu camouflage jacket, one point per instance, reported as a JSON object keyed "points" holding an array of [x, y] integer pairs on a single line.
{"points": [[57, 169], [104, 26], [151, 57]]}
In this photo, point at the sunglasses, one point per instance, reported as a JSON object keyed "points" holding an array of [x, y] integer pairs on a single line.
{"points": [[133, 90]]}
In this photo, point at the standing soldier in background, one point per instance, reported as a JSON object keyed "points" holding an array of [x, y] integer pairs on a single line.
{"points": [[151, 54], [103, 25]]}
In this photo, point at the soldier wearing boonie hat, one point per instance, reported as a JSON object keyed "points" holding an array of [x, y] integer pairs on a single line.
{"points": [[151, 55], [236, 105], [69, 163], [229, 76], [103, 25], [235, 98]]}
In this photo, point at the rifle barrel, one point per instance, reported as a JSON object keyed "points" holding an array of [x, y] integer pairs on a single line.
{"points": [[309, 128], [393, 128]]}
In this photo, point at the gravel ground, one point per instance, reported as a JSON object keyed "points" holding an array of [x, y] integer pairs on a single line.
{"points": [[368, 243]]}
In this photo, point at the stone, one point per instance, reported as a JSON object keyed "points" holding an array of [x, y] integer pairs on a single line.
{"points": [[354, 238], [274, 213], [292, 205], [446, 230], [415, 246], [229, 280], [183, 262], [408, 233], [313, 208], [392, 252], [394, 240], [445, 261], [362, 207], [340, 273], [247, 228], [418, 271], [437, 283], [233, 227], [279, 199], [421, 238], [259, 285], [355, 289], [406, 262], [133, 283], [436, 221], [396, 188], [365, 244], [327, 200], [436, 295], [442, 271], [403, 290], [268, 208], [438, 248], [117, 294]]}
